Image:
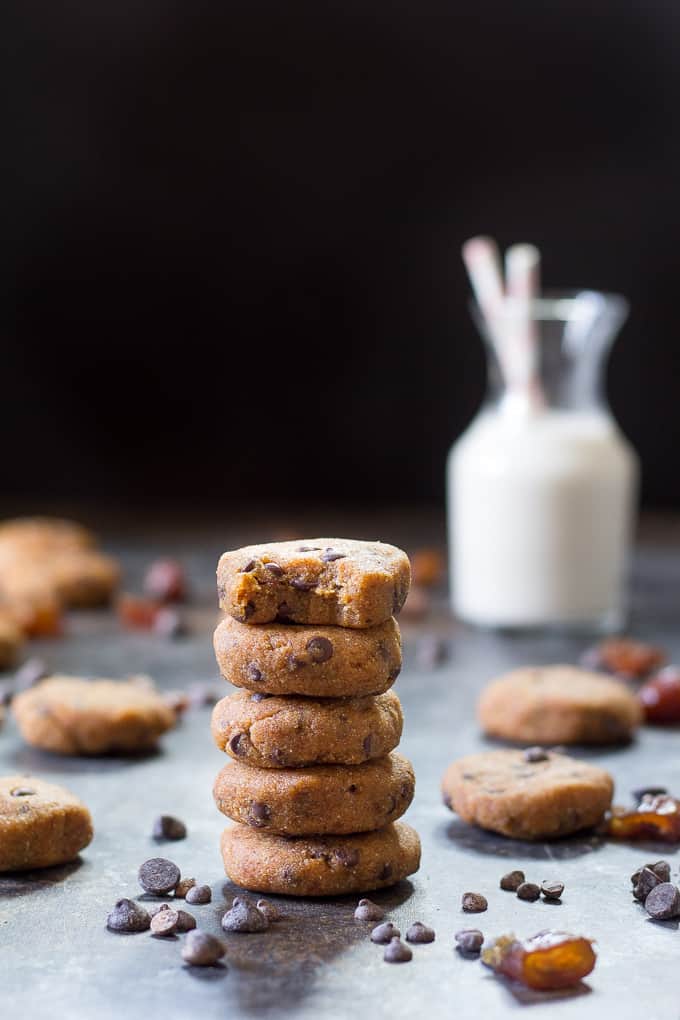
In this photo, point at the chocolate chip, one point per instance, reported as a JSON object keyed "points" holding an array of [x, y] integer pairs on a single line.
{"points": [[259, 814], [367, 910], [283, 613], [431, 651], [649, 791], [320, 649], [183, 887], [385, 872], [528, 891], [158, 876], [301, 585], [201, 949], [382, 933], [308, 548], [368, 740], [348, 858], [552, 890], [22, 791], [274, 569], [202, 694], [663, 902], [646, 881], [474, 903], [250, 565], [185, 921], [164, 922], [199, 894], [294, 663], [352, 788], [244, 917], [534, 754], [248, 610], [168, 827], [394, 674], [512, 881], [270, 911], [397, 952], [236, 746], [469, 941], [253, 673], [330, 556], [169, 623], [128, 916], [419, 932], [259, 697], [32, 672]]}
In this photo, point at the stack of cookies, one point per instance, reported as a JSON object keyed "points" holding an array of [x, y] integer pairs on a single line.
{"points": [[315, 785]]}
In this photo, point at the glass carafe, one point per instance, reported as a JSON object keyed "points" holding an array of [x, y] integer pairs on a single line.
{"points": [[542, 485]]}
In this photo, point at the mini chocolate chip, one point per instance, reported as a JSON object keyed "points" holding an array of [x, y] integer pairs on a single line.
{"points": [[183, 887], [185, 921], [199, 894], [235, 745], [431, 651], [128, 916], [259, 814], [397, 952], [159, 876], [352, 788], [646, 881], [308, 548], [164, 922], [648, 791], [392, 806], [534, 754], [320, 649], [469, 940], [385, 872], [253, 673], [168, 827], [201, 949], [250, 565], [270, 911], [330, 556], [394, 674], [248, 610], [169, 623], [283, 613], [528, 891], [348, 858], [552, 890], [293, 663], [663, 902], [512, 881], [419, 932], [474, 903], [382, 933], [274, 569], [301, 585], [22, 791], [244, 917], [259, 697], [367, 910], [368, 740]]}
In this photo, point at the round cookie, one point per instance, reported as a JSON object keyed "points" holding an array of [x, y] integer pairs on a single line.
{"points": [[504, 792], [69, 715], [319, 662], [293, 732], [11, 639], [335, 581], [320, 865], [40, 824], [558, 705], [319, 799]]}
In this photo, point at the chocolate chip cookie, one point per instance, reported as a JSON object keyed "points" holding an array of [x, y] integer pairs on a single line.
{"points": [[548, 796], [294, 732], [319, 662], [69, 715], [40, 824], [558, 705], [336, 581], [318, 799], [321, 865]]}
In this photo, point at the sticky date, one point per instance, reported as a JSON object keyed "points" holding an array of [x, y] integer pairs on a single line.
{"points": [[660, 697], [547, 961], [655, 817]]}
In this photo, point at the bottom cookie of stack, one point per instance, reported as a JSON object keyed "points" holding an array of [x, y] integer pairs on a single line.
{"points": [[320, 865]]}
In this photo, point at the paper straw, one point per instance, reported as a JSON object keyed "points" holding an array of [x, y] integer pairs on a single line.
{"points": [[522, 274]]}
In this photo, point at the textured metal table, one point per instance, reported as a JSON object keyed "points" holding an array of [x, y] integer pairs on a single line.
{"points": [[58, 960]]}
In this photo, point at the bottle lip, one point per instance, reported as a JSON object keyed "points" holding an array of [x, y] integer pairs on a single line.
{"points": [[563, 306]]}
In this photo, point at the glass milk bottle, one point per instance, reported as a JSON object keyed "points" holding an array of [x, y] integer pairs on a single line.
{"points": [[542, 485]]}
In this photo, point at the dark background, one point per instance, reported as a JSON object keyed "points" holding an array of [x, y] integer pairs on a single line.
{"points": [[230, 235]]}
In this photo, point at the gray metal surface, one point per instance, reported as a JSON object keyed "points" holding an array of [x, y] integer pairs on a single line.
{"points": [[58, 960]]}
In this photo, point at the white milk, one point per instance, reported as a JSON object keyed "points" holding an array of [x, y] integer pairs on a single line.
{"points": [[540, 513]]}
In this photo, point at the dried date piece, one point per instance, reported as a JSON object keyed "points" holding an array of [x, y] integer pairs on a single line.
{"points": [[653, 818], [660, 697], [631, 660], [547, 961], [427, 567]]}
